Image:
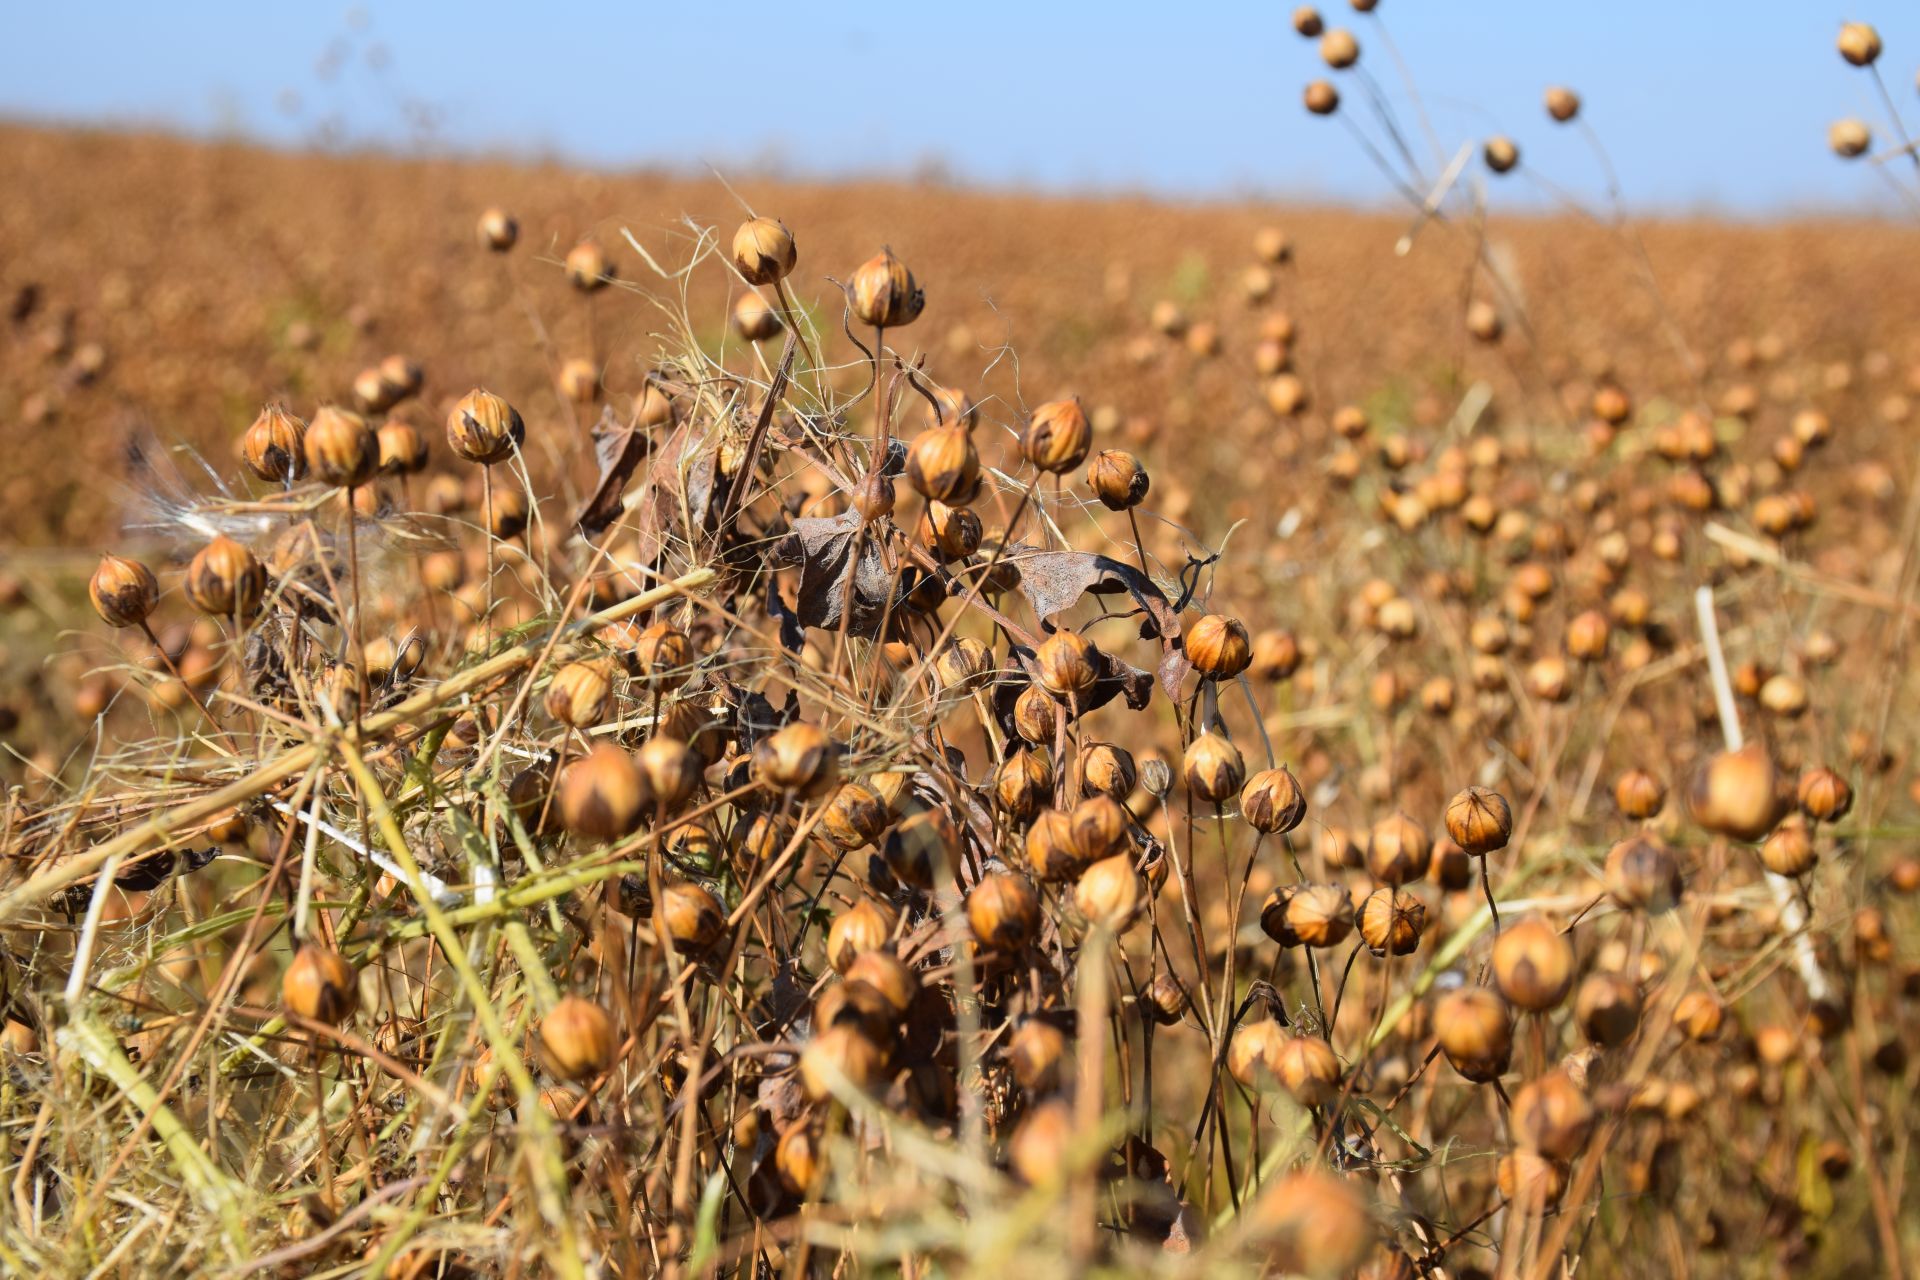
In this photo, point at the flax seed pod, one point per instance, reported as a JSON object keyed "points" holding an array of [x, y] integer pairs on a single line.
{"points": [[1789, 849], [1023, 784], [124, 591], [497, 230], [1607, 1009], [1306, 22], [1500, 154], [797, 759], [1475, 1031], [1398, 850], [1053, 853], [1322, 98], [341, 448], [855, 816], [1057, 437], [1824, 795], [1338, 49], [225, 581], [1320, 915], [1737, 794], [1563, 104], [885, 294], [1643, 875], [1253, 1052], [587, 267], [1638, 794], [1391, 922], [578, 1038], [1066, 664], [1533, 965], [1859, 43], [865, 926], [840, 1056], [1479, 820], [319, 984], [1306, 1068], [580, 694], [1213, 768], [1272, 802], [756, 319], [1108, 893], [1004, 911], [944, 466], [690, 915], [484, 428], [1218, 647], [1314, 1224], [671, 769], [1117, 480], [274, 446], [603, 796], [1276, 655], [1849, 138], [403, 450], [763, 251]]}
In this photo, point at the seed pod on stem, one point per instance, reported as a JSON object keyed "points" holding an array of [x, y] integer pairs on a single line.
{"points": [[1117, 479], [1057, 437], [225, 581], [124, 591], [885, 294], [319, 984], [484, 428], [578, 1037], [274, 447], [763, 251], [341, 448]]}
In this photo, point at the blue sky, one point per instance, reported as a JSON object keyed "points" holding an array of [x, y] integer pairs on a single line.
{"points": [[1703, 103]]}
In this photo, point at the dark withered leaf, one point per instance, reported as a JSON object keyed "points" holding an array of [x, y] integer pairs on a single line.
{"points": [[617, 449], [821, 548]]}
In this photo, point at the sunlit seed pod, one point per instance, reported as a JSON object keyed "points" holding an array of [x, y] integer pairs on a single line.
{"points": [[661, 654], [580, 694], [951, 533], [224, 580], [1500, 154], [1474, 1028], [1213, 768], [1643, 875], [497, 230], [1849, 138], [1607, 1009], [1057, 437], [587, 268], [855, 817], [799, 1158], [578, 1038], [1052, 849], [229, 826], [1789, 849], [124, 591], [1479, 820], [1286, 394], [1699, 1015], [1483, 321], [840, 1057], [1859, 43], [1552, 1116], [885, 294], [1629, 607], [1737, 794], [1067, 664], [1812, 428], [1306, 1068], [1398, 850], [604, 795], [1338, 49], [1107, 769], [1452, 869], [402, 449], [965, 666], [798, 759], [1638, 794], [1108, 893], [1563, 104], [1547, 679], [1276, 655], [1531, 1180], [1253, 1053], [1117, 479], [1003, 911], [1319, 915], [484, 428], [341, 449], [274, 446], [944, 466], [1322, 98], [763, 251], [578, 380], [671, 769], [1785, 696], [1587, 635], [319, 984], [1023, 783], [1037, 1056], [1824, 795], [1218, 646], [1306, 21], [1166, 1001], [653, 408], [1391, 922], [755, 319], [1035, 715], [865, 926], [873, 496], [1203, 339], [1038, 1150], [510, 513], [1273, 801], [1533, 965], [371, 394]]}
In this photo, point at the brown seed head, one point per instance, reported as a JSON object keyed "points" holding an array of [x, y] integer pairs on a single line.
{"points": [[1314, 1223], [1218, 647], [1643, 875], [225, 581], [1607, 1008], [497, 230], [1391, 921], [484, 428], [1023, 784], [403, 450], [1057, 437], [341, 448], [1320, 915], [1108, 892], [1398, 850], [691, 916], [1738, 794], [797, 758], [580, 694], [578, 1037], [1563, 104], [885, 294], [603, 796], [944, 466], [1475, 1031], [1272, 802], [1849, 138], [1213, 768], [1306, 21], [1067, 664], [1306, 1068], [1117, 479], [1479, 820], [763, 250], [1859, 43], [274, 447], [671, 769], [1004, 911], [841, 1056], [1533, 965], [319, 984], [124, 591], [587, 267], [1500, 154], [1639, 794], [1322, 98], [1338, 49]]}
